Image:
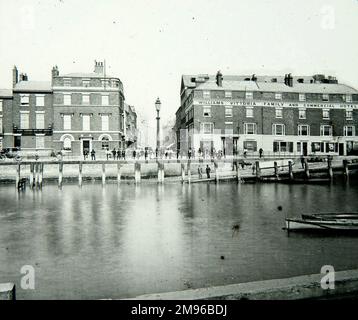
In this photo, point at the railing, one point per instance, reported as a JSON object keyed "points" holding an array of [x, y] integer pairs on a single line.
{"points": [[32, 132]]}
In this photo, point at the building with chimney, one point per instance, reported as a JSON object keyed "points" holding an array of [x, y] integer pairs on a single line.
{"points": [[300, 115], [88, 111], [73, 113], [29, 121]]}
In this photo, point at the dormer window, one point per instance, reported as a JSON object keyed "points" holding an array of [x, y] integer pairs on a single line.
{"points": [[67, 82], [249, 95], [278, 96], [348, 98]]}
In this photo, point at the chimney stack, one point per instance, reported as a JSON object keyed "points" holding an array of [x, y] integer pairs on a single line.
{"points": [[15, 76], [219, 79], [54, 73], [290, 80], [98, 67]]}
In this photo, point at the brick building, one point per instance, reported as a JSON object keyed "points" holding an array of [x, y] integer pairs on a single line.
{"points": [[27, 118], [73, 112], [290, 115], [88, 111]]}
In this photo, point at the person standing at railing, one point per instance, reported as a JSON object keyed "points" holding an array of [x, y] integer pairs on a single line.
{"points": [[261, 151], [93, 154]]}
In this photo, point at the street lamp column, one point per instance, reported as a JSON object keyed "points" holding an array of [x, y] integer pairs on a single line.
{"points": [[157, 107]]}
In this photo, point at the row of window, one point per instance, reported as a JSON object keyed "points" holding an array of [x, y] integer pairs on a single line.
{"points": [[278, 113], [279, 129], [67, 82], [278, 96], [86, 122], [67, 99], [39, 98], [25, 120]]}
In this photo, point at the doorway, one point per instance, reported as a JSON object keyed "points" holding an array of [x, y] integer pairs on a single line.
{"points": [[341, 149], [304, 148], [86, 146]]}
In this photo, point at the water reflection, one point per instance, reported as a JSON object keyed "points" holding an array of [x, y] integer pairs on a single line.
{"points": [[95, 242]]}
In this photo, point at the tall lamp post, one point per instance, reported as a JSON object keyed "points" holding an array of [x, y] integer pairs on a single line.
{"points": [[157, 107]]}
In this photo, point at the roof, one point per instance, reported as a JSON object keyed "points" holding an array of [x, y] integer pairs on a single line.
{"points": [[33, 86], [86, 75], [265, 84], [5, 93]]}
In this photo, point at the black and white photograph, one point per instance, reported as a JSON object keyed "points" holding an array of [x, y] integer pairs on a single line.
{"points": [[178, 150]]}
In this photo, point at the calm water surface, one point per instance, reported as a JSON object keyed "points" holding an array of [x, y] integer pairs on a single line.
{"points": [[111, 242]]}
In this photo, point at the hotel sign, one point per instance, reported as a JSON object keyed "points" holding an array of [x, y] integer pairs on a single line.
{"points": [[248, 103]]}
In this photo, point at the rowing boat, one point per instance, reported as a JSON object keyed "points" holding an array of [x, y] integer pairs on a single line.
{"points": [[324, 221]]}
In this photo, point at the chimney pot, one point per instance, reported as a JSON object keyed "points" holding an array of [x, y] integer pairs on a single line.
{"points": [[219, 79]]}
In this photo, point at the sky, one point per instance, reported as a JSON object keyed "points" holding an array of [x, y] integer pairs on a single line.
{"points": [[149, 44]]}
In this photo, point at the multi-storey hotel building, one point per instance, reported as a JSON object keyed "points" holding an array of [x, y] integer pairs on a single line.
{"points": [[293, 115]]}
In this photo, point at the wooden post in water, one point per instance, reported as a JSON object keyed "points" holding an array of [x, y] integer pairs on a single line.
{"points": [[36, 174], [32, 175], [137, 172], [329, 166], [307, 171], [290, 172], [345, 168], [258, 170], [60, 174], [275, 169], [118, 173], [103, 174], [238, 172], [160, 172], [41, 174], [80, 174], [18, 174], [182, 172], [217, 176], [189, 171]]}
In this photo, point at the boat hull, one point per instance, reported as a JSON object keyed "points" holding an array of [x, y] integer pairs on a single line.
{"points": [[300, 224]]}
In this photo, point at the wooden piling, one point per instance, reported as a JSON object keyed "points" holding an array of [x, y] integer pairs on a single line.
{"points": [[290, 171], [41, 174], [182, 172], [238, 172], [329, 167], [37, 174], [307, 171], [275, 169], [217, 175], [80, 174], [189, 171], [257, 170], [60, 174], [103, 174], [31, 182], [345, 168], [137, 176], [118, 173], [160, 172], [18, 174]]}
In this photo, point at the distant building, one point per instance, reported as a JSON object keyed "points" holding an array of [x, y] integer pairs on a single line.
{"points": [[281, 115], [131, 131]]}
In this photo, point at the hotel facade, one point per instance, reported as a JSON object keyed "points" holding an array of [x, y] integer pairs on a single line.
{"points": [[280, 115], [73, 113]]}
